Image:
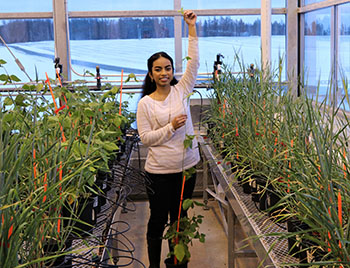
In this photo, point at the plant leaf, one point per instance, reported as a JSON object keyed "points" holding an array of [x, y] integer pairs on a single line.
{"points": [[14, 78], [179, 252], [187, 204], [181, 11]]}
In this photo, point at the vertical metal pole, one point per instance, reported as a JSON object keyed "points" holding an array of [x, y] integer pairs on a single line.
{"points": [[265, 33], [178, 37], [292, 45], [60, 21], [205, 181], [231, 222], [301, 37], [334, 51]]}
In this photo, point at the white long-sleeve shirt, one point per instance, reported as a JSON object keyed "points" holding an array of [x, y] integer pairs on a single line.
{"points": [[166, 153]]}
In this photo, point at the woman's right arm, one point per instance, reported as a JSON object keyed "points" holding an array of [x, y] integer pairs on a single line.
{"points": [[148, 136]]}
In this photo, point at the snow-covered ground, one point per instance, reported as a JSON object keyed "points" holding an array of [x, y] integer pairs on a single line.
{"points": [[131, 55]]}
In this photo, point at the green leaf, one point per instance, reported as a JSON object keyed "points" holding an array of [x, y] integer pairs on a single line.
{"points": [[187, 143], [110, 146], [8, 117], [20, 100], [181, 11], [8, 101], [93, 105], [200, 204], [114, 90], [14, 78], [91, 180], [89, 73], [89, 112], [189, 95], [3, 77], [98, 141], [67, 122], [2, 61], [179, 252], [111, 133], [65, 144], [27, 87], [53, 119], [39, 87], [187, 204], [117, 121], [131, 76]]}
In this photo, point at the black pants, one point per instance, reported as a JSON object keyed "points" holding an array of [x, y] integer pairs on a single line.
{"points": [[164, 199]]}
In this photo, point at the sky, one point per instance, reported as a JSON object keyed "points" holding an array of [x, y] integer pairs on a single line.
{"points": [[89, 5]]}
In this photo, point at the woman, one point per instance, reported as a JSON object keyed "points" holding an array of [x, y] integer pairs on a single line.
{"points": [[163, 120]]}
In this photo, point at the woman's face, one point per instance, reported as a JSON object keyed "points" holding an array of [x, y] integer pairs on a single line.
{"points": [[162, 72]]}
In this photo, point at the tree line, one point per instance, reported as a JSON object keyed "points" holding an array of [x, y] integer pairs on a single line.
{"points": [[32, 30]]}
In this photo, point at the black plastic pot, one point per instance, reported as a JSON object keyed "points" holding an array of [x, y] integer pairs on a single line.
{"points": [[101, 186], [102, 176], [295, 247], [245, 183], [61, 261], [272, 200], [210, 127], [262, 199], [312, 252], [259, 191], [245, 179], [169, 263], [254, 190], [235, 170], [86, 214]]}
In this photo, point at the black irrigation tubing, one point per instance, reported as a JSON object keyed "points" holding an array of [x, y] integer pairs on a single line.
{"points": [[128, 247], [91, 263], [122, 179], [125, 248], [132, 260], [117, 232]]}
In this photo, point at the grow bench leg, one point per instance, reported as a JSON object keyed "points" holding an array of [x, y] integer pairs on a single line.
{"points": [[233, 253], [205, 183]]}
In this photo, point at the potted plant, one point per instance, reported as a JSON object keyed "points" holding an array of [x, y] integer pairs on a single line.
{"points": [[300, 148], [180, 240], [42, 173]]}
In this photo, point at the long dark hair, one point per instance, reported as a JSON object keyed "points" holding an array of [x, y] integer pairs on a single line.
{"points": [[148, 85]]}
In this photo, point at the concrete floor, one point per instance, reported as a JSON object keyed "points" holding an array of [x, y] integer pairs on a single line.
{"points": [[212, 254]]}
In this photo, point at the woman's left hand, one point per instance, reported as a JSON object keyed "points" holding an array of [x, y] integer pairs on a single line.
{"points": [[190, 17]]}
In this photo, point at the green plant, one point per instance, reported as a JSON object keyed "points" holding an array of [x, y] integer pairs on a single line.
{"points": [[188, 230], [299, 146], [48, 159]]}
